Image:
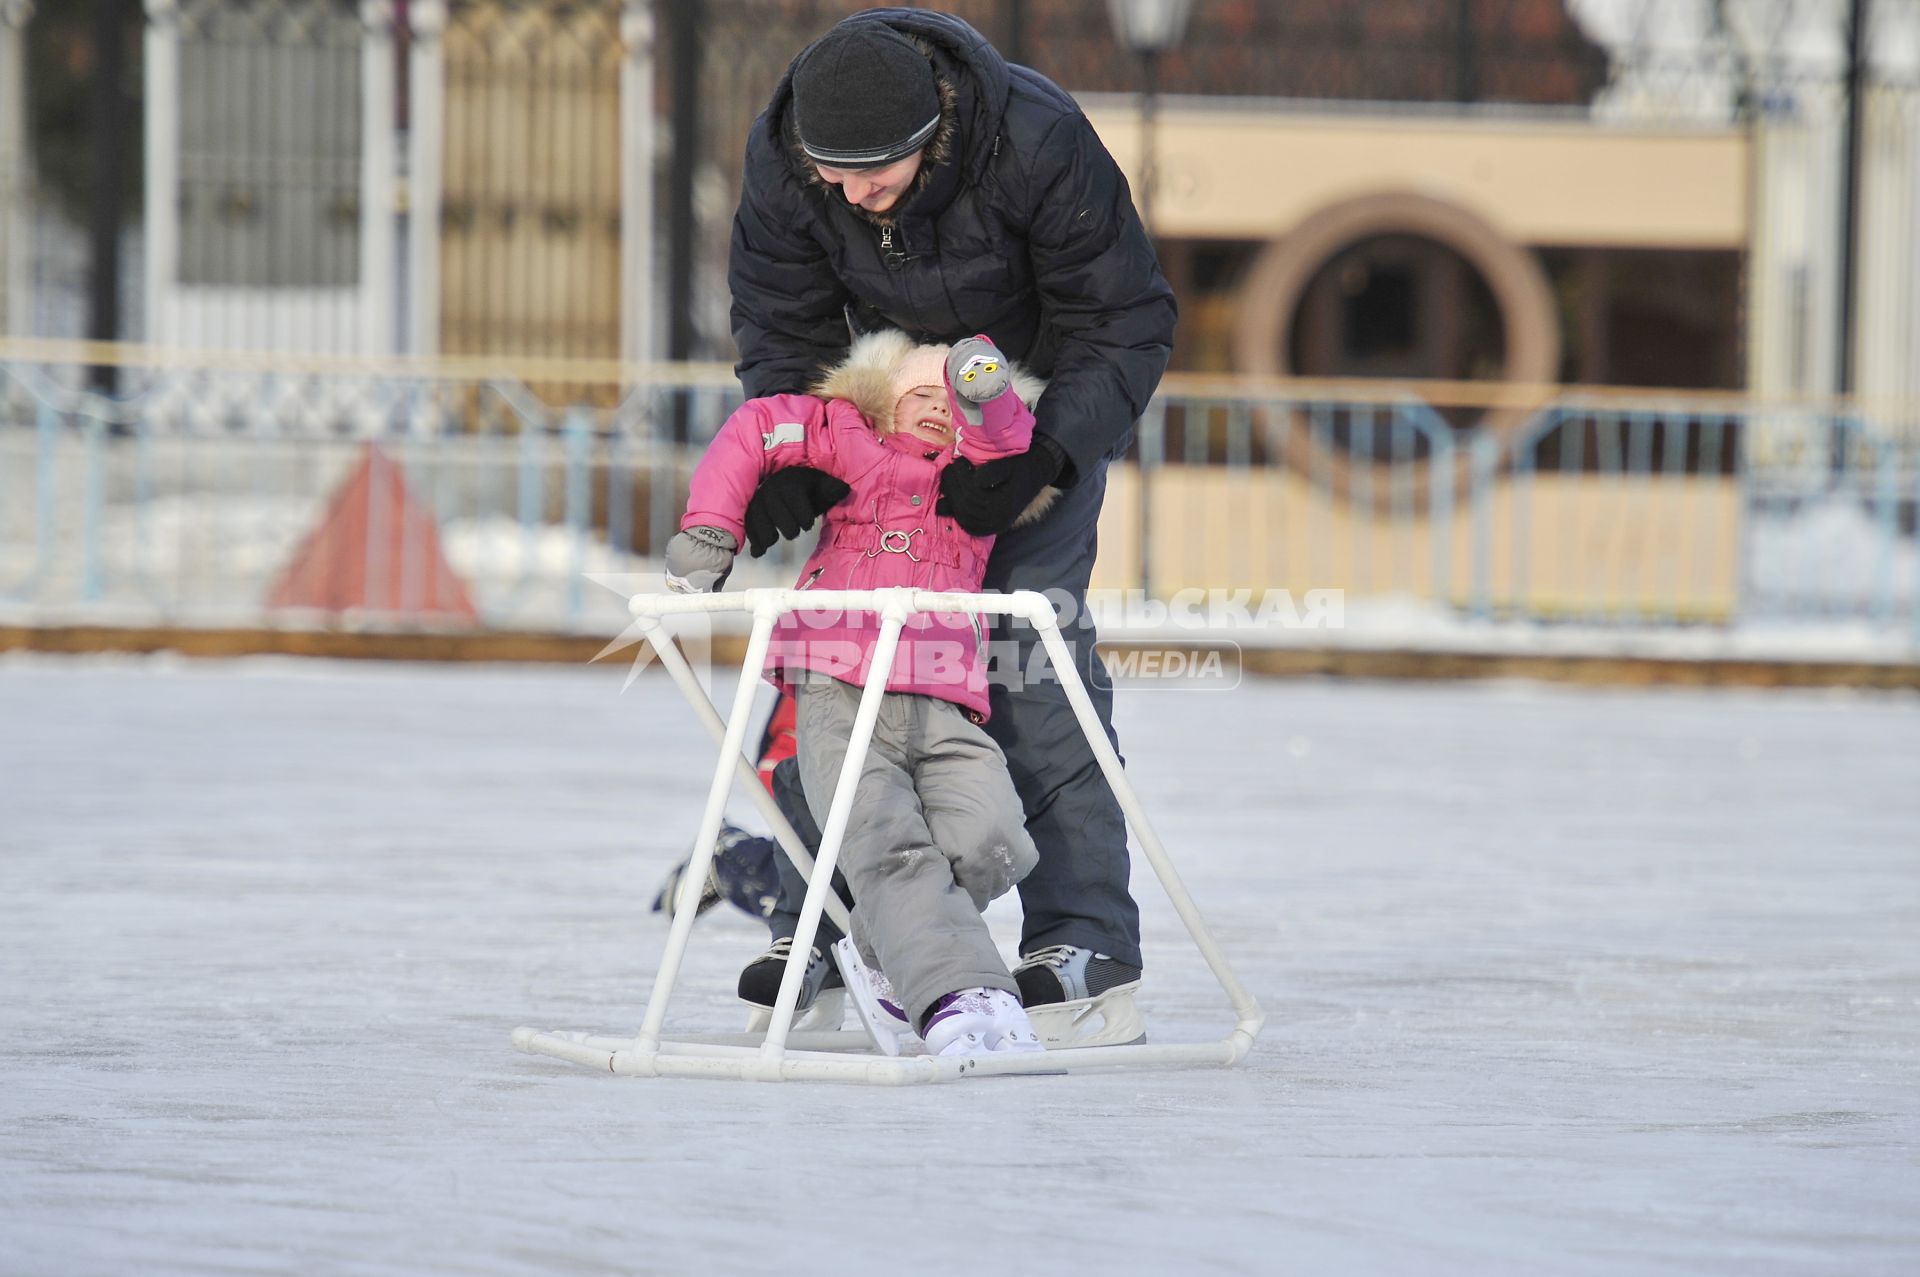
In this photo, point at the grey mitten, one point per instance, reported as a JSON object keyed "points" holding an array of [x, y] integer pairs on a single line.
{"points": [[976, 373], [699, 559]]}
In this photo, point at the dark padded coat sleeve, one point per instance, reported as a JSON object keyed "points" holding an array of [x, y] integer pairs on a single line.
{"points": [[789, 310], [1103, 292]]}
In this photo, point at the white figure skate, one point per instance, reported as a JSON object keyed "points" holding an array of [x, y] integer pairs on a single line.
{"points": [[875, 1002], [980, 1022]]}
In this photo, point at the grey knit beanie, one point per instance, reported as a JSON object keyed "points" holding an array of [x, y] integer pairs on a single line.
{"points": [[863, 96]]}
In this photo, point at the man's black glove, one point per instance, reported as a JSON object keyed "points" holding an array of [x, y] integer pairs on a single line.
{"points": [[787, 503], [986, 499]]}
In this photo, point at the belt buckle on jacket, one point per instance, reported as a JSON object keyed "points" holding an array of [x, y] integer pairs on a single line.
{"points": [[895, 541]]}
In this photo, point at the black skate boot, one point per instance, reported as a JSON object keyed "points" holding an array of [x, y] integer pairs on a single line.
{"points": [[741, 872], [1076, 997], [823, 995]]}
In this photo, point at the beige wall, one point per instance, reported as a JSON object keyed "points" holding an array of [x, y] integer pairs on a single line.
{"points": [[1558, 544], [1248, 175]]}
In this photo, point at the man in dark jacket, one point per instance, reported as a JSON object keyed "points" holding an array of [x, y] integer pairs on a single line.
{"points": [[905, 175]]}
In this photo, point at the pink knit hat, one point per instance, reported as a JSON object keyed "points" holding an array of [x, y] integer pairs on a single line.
{"points": [[923, 366]]}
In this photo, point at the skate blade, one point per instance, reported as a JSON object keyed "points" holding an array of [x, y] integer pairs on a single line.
{"points": [[963, 1049], [1111, 1019], [880, 1026], [828, 1013]]}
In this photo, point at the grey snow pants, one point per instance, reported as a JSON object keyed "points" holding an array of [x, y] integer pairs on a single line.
{"points": [[1078, 893], [935, 833]]}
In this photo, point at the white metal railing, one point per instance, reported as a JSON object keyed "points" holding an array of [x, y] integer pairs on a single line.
{"points": [[778, 1055]]}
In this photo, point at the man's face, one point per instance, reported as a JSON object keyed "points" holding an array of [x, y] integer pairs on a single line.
{"points": [[874, 189]]}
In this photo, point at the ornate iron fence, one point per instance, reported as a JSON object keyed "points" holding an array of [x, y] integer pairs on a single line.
{"points": [[518, 177]]}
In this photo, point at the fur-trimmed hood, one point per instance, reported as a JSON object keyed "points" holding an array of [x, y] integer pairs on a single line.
{"points": [[934, 159], [974, 81], [866, 377]]}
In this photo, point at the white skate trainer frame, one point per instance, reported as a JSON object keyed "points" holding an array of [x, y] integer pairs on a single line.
{"points": [[787, 1053]]}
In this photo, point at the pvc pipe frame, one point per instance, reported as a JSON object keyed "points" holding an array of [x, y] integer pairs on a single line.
{"points": [[743, 769], [817, 1056]]}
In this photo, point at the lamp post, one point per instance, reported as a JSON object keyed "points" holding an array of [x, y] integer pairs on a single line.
{"points": [[1148, 28]]}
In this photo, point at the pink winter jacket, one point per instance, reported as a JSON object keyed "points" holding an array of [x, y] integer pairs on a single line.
{"points": [[884, 533]]}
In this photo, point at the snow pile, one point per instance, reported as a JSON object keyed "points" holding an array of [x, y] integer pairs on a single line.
{"points": [[1831, 553]]}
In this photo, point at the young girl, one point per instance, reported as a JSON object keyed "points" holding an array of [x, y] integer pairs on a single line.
{"points": [[937, 829]]}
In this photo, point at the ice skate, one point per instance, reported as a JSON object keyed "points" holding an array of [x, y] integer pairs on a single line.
{"points": [[874, 999], [980, 1022], [1076, 997], [741, 873], [823, 997], [667, 899]]}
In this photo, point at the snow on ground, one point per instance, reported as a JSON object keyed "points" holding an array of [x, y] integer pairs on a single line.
{"points": [[1557, 981]]}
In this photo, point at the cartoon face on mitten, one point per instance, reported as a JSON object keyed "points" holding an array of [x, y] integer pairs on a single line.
{"points": [[976, 373]]}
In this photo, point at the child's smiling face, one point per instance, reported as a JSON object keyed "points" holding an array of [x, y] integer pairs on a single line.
{"points": [[924, 413]]}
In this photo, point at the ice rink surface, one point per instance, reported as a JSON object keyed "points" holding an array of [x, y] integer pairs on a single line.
{"points": [[1556, 981]]}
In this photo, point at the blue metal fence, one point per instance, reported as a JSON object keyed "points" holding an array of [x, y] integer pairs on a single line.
{"points": [[184, 501]]}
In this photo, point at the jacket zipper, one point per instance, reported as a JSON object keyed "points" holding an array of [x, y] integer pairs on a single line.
{"points": [[894, 257]]}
